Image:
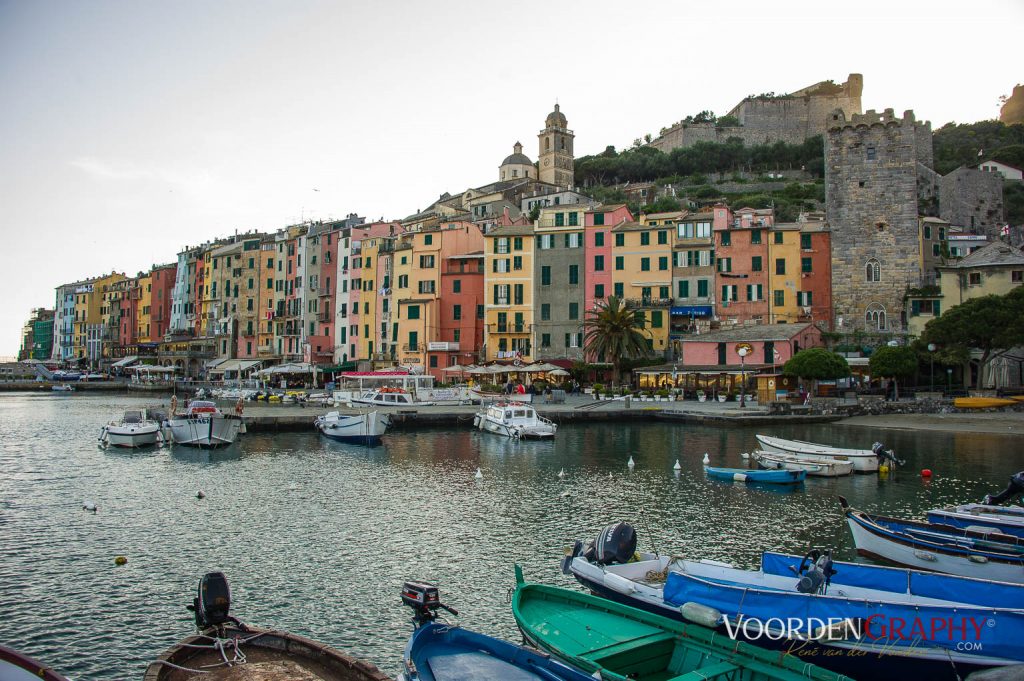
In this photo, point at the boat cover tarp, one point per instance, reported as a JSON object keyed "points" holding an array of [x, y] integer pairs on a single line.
{"points": [[885, 622], [976, 592]]}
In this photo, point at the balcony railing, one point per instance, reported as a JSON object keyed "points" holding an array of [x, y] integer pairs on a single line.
{"points": [[412, 348], [634, 303], [510, 328]]}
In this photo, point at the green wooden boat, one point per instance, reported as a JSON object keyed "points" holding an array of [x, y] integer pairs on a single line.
{"points": [[620, 642]]}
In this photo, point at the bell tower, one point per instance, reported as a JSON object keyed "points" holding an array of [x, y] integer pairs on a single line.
{"points": [[556, 155]]}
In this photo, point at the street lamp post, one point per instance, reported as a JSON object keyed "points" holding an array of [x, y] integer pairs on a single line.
{"points": [[931, 361], [743, 349]]}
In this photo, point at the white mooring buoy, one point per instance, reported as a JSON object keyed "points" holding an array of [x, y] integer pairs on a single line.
{"points": [[200, 494], [479, 475], [561, 474], [631, 462], [677, 467], [706, 459]]}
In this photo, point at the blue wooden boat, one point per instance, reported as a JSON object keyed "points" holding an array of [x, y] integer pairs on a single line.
{"points": [[980, 517], [865, 621], [772, 477], [443, 652], [940, 548]]}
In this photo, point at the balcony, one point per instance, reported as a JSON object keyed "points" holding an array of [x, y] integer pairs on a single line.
{"points": [[325, 317], [637, 303], [510, 328], [412, 348]]}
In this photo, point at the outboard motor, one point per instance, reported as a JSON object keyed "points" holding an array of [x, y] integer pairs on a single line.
{"points": [[1015, 488], [424, 599], [615, 544], [815, 572], [883, 455], [213, 602]]}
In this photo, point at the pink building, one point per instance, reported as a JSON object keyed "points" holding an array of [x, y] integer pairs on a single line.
{"points": [[597, 251], [773, 345], [741, 263], [163, 277]]}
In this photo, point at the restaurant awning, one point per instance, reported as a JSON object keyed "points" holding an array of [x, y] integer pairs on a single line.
{"points": [[130, 359], [296, 368], [234, 365]]}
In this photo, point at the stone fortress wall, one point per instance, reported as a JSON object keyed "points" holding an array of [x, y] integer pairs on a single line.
{"points": [[788, 118]]}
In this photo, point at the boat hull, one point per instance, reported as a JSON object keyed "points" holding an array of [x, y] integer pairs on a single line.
{"points": [[863, 460], [614, 640], [364, 429], [441, 652], [857, 594], [771, 477], [1006, 519], [820, 469], [133, 436], [207, 432], [262, 647], [966, 559]]}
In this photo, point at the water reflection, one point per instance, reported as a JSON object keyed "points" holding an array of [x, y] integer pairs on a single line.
{"points": [[317, 535]]}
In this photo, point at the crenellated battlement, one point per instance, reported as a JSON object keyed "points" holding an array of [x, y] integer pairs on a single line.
{"points": [[838, 120]]}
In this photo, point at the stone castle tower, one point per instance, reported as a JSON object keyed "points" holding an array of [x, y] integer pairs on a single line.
{"points": [[556, 154], [872, 164]]}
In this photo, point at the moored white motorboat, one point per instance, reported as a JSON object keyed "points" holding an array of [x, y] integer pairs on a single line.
{"points": [[62, 388], [204, 425], [389, 397], [516, 420], [137, 428], [819, 468], [365, 429], [1005, 519], [863, 460]]}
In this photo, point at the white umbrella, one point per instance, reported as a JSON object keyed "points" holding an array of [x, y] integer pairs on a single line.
{"points": [[558, 372], [455, 367]]}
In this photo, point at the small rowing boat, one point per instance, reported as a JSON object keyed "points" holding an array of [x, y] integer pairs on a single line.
{"points": [[820, 468], [776, 477]]}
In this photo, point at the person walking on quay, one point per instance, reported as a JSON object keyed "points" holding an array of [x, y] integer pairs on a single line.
{"points": [[509, 387]]}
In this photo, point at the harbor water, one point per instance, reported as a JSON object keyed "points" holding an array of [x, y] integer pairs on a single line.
{"points": [[316, 537]]}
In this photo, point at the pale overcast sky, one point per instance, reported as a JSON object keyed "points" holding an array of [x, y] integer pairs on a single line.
{"points": [[131, 129]]}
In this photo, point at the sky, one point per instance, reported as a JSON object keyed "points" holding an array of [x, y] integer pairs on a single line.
{"points": [[130, 130]]}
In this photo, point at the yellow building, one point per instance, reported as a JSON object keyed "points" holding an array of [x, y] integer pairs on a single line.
{"points": [[785, 270], [267, 282], [642, 276], [221, 293], [508, 293], [144, 318], [89, 332], [376, 266], [248, 302]]}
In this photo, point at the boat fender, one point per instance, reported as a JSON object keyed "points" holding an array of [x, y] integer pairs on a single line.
{"points": [[701, 614], [977, 559], [739, 477], [924, 555], [619, 583]]}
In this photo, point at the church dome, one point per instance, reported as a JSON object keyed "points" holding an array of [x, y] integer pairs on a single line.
{"points": [[517, 157], [556, 119]]}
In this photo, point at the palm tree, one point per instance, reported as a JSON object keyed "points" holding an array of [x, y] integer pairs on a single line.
{"points": [[614, 332]]}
